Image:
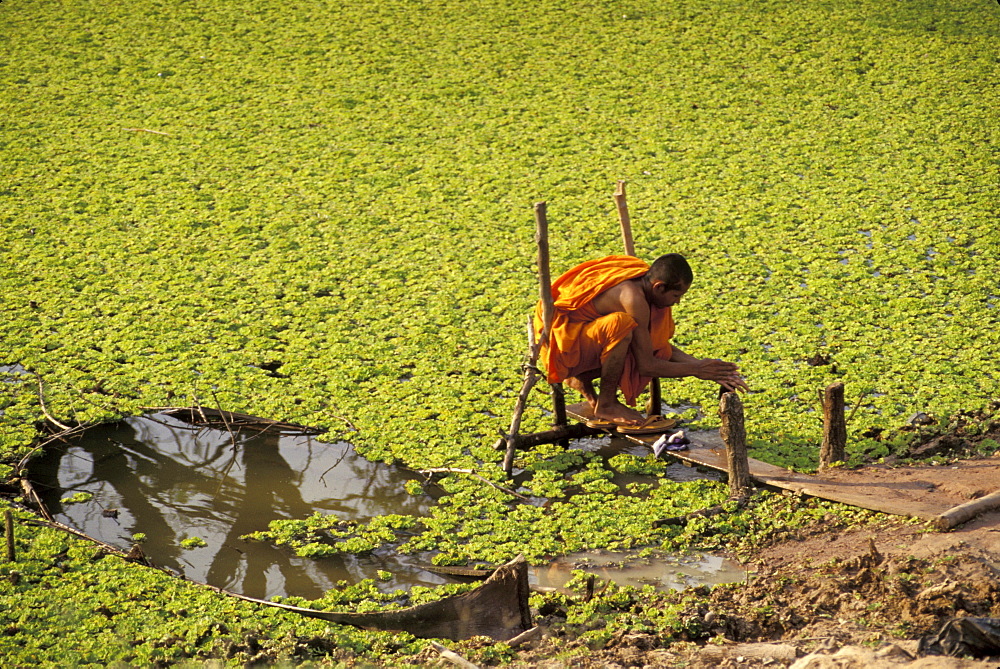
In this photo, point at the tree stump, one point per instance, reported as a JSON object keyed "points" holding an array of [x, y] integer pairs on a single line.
{"points": [[834, 426], [734, 434]]}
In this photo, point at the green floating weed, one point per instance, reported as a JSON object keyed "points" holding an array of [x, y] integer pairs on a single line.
{"points": [[194, 542], [321, 534], [77, 498]]}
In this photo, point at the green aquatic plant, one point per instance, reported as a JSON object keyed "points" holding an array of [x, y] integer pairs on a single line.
{"points": [[329, 222], [77, 498], [321, 535]]}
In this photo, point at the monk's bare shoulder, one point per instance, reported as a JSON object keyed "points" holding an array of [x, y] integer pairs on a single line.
{"points": [[627, 296]]}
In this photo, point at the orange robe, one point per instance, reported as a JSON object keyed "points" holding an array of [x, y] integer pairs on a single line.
{"points": [[581, 338]]}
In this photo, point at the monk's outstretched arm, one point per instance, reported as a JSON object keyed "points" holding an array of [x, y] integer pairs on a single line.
{"points": [[731, 379], [681, 364]]}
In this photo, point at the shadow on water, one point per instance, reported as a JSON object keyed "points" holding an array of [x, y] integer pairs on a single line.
{"points": [[166, 479], [170, 480]]}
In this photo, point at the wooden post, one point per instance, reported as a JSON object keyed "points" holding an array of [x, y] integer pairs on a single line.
{"points": [[834, 426], [734, 435], [8, 523], [544, 278], [548, 309], [560, 419], [653, 405], [624, 219]]}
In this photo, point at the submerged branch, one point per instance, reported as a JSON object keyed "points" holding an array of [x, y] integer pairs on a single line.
{"points": [[41, 402], [705, 513], [446, 470]]}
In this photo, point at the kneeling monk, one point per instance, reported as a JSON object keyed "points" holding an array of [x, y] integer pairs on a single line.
{"points": [[612, 321]]}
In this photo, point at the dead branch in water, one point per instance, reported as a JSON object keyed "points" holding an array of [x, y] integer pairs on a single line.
{"points": [[41, 403], [702, 513], [446, 470]]}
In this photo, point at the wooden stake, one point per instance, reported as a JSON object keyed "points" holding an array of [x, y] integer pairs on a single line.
{"points": [[624, 219], [834, 426], [544, 278], [558, 404], [734, 435], [548, 310], [8, 523], [653, 405]]}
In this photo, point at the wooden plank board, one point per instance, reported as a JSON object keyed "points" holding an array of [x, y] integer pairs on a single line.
{"points": [[708, 450]]}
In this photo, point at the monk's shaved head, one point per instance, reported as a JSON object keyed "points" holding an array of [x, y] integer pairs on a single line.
{"points": [[673, 270]]}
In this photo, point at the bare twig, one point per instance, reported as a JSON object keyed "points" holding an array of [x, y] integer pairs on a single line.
{"points": [[452, 656], [447, 470], [333, 466], [347, 421], [8, 521], [41, 402], [232, 435], [59, 436], [854, 409]]}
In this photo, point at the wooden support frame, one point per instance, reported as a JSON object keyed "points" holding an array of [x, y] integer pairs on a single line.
{"points": [[561, 431], [531, 373]]}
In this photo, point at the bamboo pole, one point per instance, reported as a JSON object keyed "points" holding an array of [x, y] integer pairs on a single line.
{"points": [[734, 435], [534, 347], [834, 426], [625, 221]]}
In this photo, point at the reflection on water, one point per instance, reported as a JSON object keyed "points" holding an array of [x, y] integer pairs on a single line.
{"points": [[170, 481]]}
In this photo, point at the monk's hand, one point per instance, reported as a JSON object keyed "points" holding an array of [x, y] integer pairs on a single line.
{"points": [[736, 382], [726, 374]]}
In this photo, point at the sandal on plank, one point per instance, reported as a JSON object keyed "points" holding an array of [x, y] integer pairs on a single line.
{"points": [[651, 425], [601, 423]]}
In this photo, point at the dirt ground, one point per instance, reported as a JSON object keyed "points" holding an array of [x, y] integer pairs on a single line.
{"points": [[841, 598]]}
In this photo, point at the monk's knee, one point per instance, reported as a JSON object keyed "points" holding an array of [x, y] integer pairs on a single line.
{"points": [[620, 323]]}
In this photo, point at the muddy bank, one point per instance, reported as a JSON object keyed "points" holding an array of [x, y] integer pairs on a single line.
{"points": [[867, 593]]}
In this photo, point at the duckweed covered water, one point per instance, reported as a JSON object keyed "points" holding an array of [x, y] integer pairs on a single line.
{"points": [[189, 497]]}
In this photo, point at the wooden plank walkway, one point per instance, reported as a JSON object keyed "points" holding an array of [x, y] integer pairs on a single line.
{"points": [[708, 450]]}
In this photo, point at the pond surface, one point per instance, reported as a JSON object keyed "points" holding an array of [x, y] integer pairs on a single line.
{"points": [[660, 570], [171, 480]]}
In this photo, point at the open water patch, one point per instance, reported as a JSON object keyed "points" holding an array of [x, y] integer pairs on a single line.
{"points": [[172, 481], [638, 568]]}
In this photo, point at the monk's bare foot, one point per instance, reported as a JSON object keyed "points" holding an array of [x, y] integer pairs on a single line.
{"points": [[618, 413]]}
